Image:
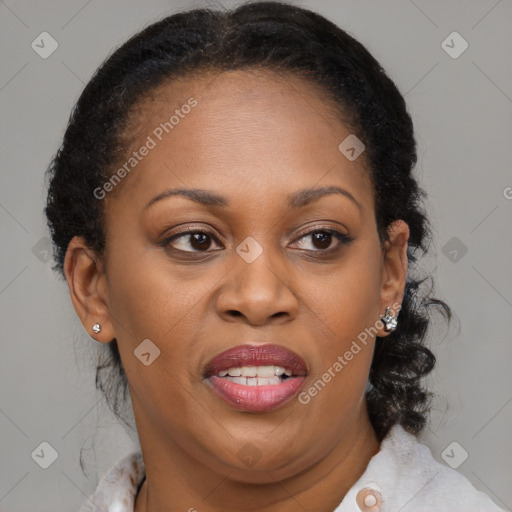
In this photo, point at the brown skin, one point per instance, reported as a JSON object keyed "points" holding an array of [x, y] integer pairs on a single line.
{"points": [[253, 138]]}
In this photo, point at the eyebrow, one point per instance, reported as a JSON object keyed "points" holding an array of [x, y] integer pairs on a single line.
{"points": [[297, 199]]}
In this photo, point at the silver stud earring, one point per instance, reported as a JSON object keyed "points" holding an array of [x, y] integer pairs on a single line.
{"points": [[96, 328], [389, 320]]}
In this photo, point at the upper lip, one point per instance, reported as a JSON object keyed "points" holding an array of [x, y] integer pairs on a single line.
{"points": [[256, 355]]}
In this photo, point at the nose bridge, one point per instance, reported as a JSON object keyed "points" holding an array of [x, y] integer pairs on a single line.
{"points": [[257, 268], [257, 285]]}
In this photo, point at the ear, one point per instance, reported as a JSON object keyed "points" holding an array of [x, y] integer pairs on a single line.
{"points": [[394, 269], [87, 287]]}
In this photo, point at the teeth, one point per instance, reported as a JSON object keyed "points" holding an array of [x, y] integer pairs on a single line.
{"points": [[249, 371], [256, 375], [255, 372], [266, 371], [256, 381]]}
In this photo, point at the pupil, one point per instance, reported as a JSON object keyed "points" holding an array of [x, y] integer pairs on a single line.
{"points": [[202, 241], [322, 237]]}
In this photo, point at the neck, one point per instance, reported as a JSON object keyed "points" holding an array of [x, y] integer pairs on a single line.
{"points": [[175, 481]]}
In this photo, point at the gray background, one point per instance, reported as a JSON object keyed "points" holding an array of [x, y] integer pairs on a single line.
{"points": [[462, 110]]}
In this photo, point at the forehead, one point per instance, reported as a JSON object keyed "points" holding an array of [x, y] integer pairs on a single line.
{"points": [[247, 131]]}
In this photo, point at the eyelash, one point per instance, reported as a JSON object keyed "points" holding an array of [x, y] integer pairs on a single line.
{"points": [[343, 238]]}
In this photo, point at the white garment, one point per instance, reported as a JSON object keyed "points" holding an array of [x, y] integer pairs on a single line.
{"points": [[402, 477]]}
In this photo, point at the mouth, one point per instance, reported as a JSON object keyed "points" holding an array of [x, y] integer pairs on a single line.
{"points": [[256, 378]]}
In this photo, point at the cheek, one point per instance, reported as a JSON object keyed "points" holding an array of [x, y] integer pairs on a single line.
{"points": [[346, 300], [149, 298], [345, 308], [148, 302], [169, 305]]}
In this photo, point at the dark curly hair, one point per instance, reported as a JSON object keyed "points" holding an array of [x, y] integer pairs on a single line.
{"points": [[284, 39]]}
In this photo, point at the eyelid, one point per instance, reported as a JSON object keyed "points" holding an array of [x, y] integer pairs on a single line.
{"points": [[189, 230], [312, 229], [341, 237]]}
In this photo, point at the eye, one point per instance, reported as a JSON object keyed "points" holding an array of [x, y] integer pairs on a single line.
{"points": [[198, 240], [322, 239], [193, 241]]}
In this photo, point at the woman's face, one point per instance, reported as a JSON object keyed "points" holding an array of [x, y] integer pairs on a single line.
{"points": [[277, 260]]}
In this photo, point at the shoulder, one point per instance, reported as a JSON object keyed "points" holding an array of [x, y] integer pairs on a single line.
{"points": [[117, 489], [408, 478]]}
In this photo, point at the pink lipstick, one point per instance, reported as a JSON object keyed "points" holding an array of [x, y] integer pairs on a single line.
{"points": [[256, 378]]}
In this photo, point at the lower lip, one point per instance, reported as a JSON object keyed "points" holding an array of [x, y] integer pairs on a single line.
{"points": [[256, 398]]}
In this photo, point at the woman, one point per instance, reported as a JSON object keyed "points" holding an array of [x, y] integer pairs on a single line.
{"points": [[234, 210]]}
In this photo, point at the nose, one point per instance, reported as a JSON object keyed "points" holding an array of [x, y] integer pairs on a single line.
{"points": [[257, 292]]}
